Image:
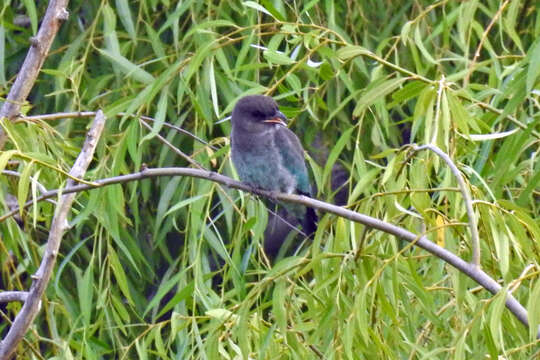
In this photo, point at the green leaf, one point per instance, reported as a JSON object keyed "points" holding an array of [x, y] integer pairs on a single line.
{"points": [[277, 58], [497, 307], [24, 182], [32, 14], [334, 154], [160, 115], [350, 51], [124, 13], [533, 310], [127, 67], [183, 203], [119, 273], [376, 92], [534, 65], [4, 158], [2, 57], [326, 72], [254, 5]]}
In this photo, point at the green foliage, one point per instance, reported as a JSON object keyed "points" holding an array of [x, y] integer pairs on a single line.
{"points": [[138, 271]]}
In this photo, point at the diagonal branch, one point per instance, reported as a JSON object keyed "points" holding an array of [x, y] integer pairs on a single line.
{"points": [[40, 44], [473, 226], [59, 225], [471, 270]]}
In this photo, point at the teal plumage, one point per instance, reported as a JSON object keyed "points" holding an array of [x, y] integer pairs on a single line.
{"points": [[269, 156]]}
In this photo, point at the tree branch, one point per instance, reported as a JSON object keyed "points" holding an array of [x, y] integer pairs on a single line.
{"points": [[471, 270], [9, 296], [59, 224], [473, 226], [40, 44]]}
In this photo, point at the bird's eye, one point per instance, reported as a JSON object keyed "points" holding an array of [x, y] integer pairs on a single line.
{"points": [[257, 114]]}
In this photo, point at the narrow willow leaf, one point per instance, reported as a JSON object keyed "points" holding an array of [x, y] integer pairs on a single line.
{"points": [[350, 51], [258, 7], [164, 288], [127, 67], [155, 42], [183, 203], [4, 158], [326, 71], [160, 114], [213, 89], [459, 115], [407, 92], [85, 289], [109, 30], [2, 56], [279, 298], [294, 82], [277, 58], [497, 307], [119, 273], [35, 207], [533, 310], [23, 188], [181, 8], [334, 154], [124, 13], [376, 93], [205, 26], [534, 65], [181, 295], [420, 45], [275, 8], [32, 14]]}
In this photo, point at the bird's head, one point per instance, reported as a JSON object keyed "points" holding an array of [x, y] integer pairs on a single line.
{"points": [[255, 113]]}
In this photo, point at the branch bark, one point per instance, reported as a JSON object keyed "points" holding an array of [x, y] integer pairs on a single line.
{"points": [[9, 296], [473, 226], [471, 270], [40, 44], [59, 224]]}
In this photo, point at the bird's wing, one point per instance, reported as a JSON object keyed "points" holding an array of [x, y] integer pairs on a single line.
{"points": [[292, 155]]}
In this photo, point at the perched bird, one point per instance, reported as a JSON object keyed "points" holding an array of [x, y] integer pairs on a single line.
{"points": [[267, 155]]}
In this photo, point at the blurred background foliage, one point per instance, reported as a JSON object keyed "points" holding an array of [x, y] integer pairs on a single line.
{"points": [[360, 80]]}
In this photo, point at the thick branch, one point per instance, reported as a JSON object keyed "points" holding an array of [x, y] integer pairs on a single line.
{"points": [[469, 269], [59, 224], [39, 49]]}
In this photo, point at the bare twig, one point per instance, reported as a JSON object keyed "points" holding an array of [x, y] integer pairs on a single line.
{"points": [[176, 150], [59, 224], [40, 44], [482, 40], [475, 239], [42, 189], [471, 270], [79, 114], [9, 296]]}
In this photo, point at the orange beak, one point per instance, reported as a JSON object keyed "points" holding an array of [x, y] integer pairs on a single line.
{"points": [[278, 119]]}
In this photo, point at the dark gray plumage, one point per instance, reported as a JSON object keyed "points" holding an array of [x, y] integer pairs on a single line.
{"points": [[269, 156]]}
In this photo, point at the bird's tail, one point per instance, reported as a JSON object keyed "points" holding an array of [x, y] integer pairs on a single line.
{"points": [[309, 222]]}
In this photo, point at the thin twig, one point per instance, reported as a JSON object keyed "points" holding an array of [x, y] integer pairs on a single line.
{"points": [[176, 150], [471, 270], [9, 296], [482, 40], [40, 44], [475, 239], [80, 114], [59, 225]]}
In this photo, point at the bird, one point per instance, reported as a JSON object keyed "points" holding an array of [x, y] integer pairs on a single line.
{"points": [[268, 155]]}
